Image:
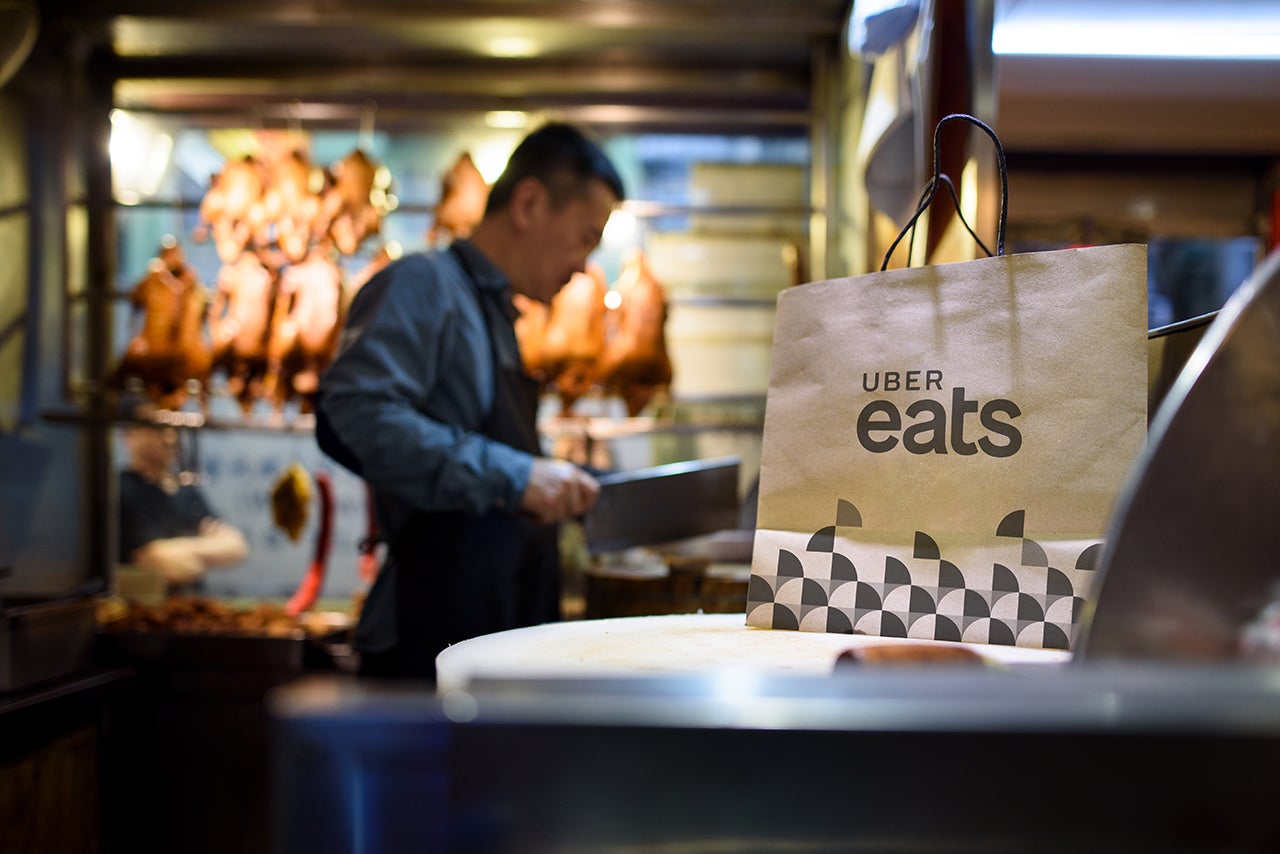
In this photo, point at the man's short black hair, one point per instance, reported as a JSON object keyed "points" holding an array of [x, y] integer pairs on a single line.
{"points": [[563, 158]]}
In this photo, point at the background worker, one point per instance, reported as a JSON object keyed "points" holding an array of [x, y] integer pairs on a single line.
{"points": [[165, 524]]}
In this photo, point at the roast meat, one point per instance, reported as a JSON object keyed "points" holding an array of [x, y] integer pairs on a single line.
{"points": [[634, 363], [463, 195], [574, 337]]}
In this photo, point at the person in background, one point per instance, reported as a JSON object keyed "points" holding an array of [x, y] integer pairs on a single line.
{"points": [[166, 525], [428, 402]]}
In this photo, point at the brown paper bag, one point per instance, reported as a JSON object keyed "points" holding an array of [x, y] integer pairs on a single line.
{"points": [[942, 446]]}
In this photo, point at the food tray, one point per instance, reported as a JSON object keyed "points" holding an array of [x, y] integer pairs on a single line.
{"points": [[293, 653]]}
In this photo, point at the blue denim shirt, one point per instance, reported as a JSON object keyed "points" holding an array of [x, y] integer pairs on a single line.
{"points": [[412, 384]]}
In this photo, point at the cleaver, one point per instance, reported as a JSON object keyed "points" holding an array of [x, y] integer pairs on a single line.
{"points": [[661, 504]]}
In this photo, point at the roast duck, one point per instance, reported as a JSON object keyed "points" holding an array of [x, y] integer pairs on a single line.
{"points": [[272, 323], [635, 364], [573, 339], [578, 345], [305, 325], [292, 204], [531, 328], [169, 353], [276, 312], [287, 205], [232, 210], [275, 332], [355, 202], [240, 323], [463, 195]]}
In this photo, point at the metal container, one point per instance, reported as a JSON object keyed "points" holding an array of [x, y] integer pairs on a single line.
{"points": [[42, 639], [1189, 564]]}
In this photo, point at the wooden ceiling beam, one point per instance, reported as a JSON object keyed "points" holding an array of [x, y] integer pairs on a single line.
{"points": [[814, 17]]}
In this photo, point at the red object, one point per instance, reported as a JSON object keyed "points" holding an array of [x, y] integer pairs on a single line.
{"points": [[309, 589]]}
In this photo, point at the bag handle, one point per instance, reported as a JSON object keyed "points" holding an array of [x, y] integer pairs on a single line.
{"points": [[931, 188]]}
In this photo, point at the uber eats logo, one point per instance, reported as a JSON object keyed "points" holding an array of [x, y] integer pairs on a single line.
{"points": [[930, 421]]}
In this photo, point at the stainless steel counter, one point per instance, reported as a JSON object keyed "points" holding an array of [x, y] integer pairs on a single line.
{"points": [[1085, 758]]}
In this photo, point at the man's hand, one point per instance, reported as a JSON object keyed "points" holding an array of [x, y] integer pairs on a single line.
{"points": [[558, 490]]}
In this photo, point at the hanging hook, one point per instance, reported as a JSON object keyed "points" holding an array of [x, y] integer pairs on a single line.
{"points": [[295, 115]]}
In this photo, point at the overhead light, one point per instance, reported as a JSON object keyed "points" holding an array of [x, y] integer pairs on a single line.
{"points": [[491, 155], [139, 156], [620, 229], [1193, 29], [506, 119], [513, 46]]}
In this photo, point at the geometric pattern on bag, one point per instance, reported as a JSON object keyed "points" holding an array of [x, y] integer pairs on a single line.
{"points": [[1024, 602]]}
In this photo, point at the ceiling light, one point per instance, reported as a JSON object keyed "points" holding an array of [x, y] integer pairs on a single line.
{"points": [[513, 46], [139, 155], [1199, 29], [506, 119]]}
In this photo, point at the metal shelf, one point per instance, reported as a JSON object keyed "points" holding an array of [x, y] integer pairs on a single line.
{"points": [[640, 208], [593, 427], [296, 423], [724, 301], [649, 209]]}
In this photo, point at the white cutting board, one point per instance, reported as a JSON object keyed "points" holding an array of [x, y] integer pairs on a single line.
{"points": [[671, 644]]}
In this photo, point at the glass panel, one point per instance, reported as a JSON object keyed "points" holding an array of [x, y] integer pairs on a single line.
{"points": [[77, 345], [1189, 277], [77, 249], [12, 344], [13, 272]]}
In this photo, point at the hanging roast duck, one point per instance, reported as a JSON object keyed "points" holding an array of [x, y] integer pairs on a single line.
{"points": [[169, 349], [635, 364]]}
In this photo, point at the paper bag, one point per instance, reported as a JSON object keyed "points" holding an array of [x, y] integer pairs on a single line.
{"points": [[942, 446]]}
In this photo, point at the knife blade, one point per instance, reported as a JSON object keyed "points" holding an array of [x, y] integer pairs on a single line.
{"points": [[662, 504]]}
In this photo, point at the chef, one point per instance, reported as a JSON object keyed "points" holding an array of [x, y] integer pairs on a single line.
{"points": [[428, 402]]}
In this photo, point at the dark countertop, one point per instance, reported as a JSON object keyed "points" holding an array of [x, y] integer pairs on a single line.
{"points": [[34, 716], [75, 686]]}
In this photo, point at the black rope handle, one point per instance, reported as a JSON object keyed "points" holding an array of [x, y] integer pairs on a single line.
{"points": [[931, 189], [955, 200]]}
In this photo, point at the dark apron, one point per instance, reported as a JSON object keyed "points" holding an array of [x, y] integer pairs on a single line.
{"points": [[450, 576]]}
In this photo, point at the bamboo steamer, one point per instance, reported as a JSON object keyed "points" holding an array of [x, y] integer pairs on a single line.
{"points": [[707, 574]]}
